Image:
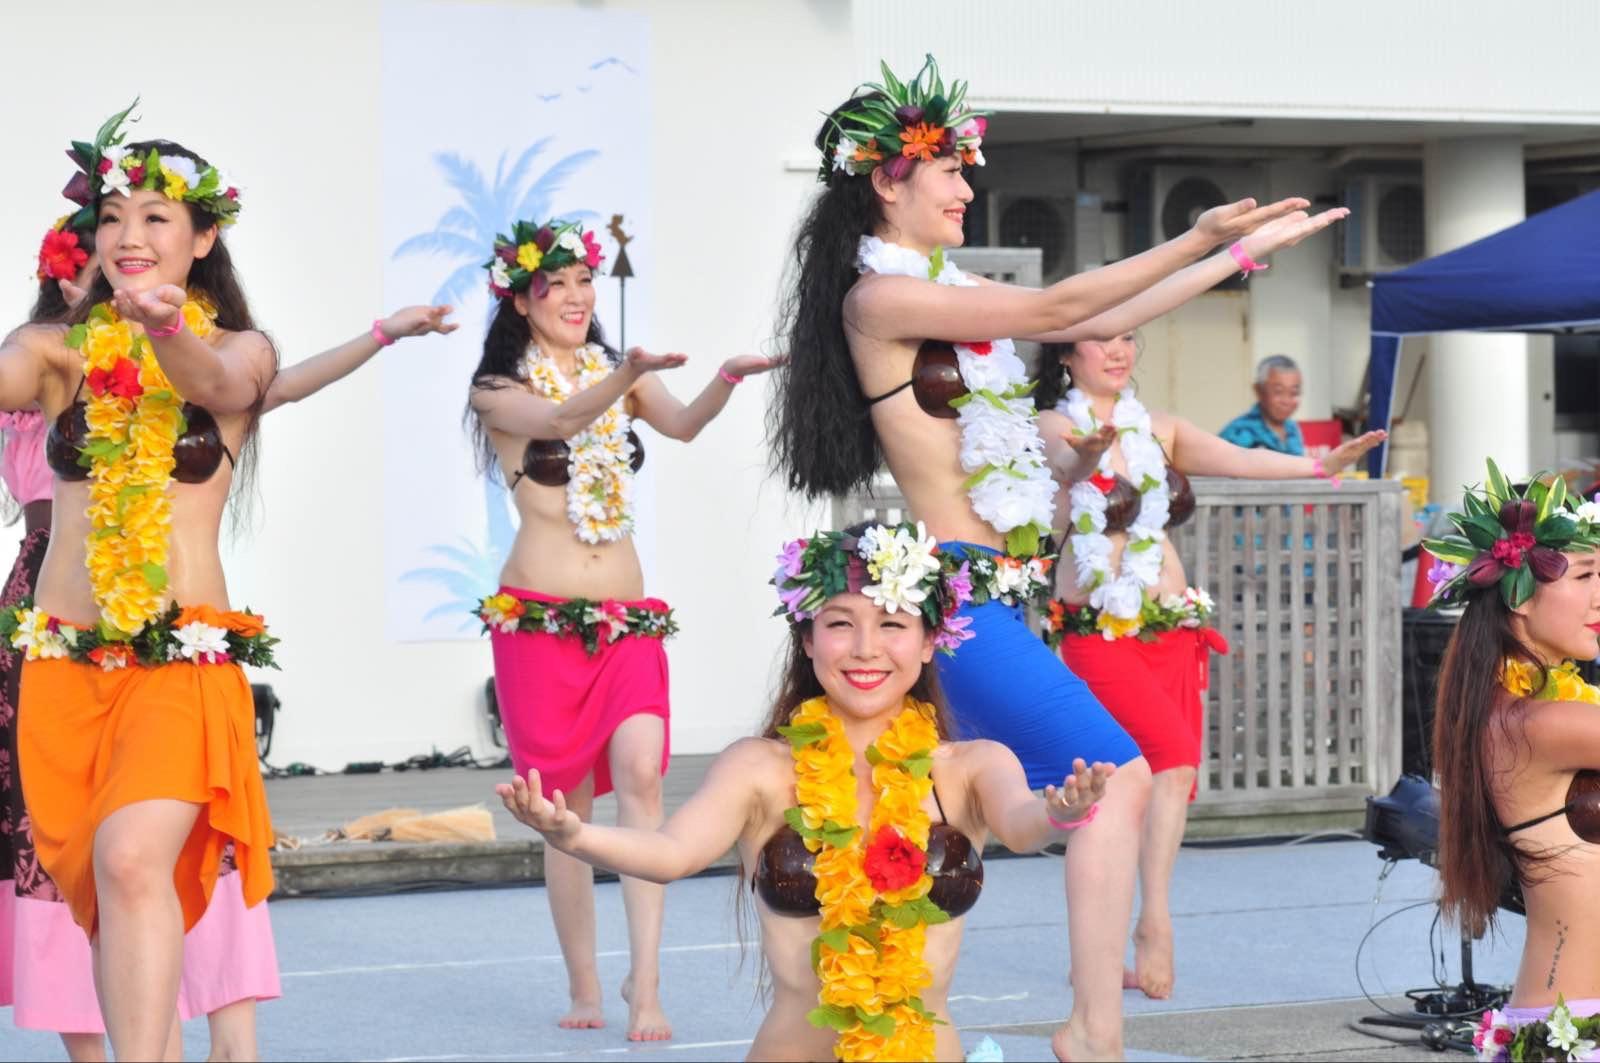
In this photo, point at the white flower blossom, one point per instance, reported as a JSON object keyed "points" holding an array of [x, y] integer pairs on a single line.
{"points": [[842, 152], [499, 274], [1588, 513], [202, 643], [572, 241], [183, 167], [115, 180]]}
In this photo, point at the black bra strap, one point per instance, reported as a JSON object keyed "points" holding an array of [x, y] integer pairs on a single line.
{"points": [[938, 803], [890, 393], [1563, 810], [231, 463], [515, 478]]}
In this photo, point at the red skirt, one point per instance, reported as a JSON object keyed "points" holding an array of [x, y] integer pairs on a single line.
{"points": [[560, 706], [1153, 689]]}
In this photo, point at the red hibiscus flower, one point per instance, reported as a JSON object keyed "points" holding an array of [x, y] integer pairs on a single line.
{"points": [[1522, 540], [1103, 483], [892, 862], [136, 175], [979, 348], [60, 257], [1506, 552], [121, 380]]}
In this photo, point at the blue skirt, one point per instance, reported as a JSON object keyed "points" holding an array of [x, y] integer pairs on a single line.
{"points": [[1005, 684]]}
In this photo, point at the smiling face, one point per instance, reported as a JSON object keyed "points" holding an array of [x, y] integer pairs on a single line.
{"points": [[1562, 619], [145, 240], [1279, 395], [925, 209], [1102, 368], [560, 319], [867, 659]]}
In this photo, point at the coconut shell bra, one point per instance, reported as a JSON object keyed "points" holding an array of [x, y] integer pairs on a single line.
{"points": [[198, 452]]}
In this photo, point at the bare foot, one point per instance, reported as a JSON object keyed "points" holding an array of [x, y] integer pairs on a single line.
{"points": [[585, 1013], [1129, 979], [1070, 1043], [646, 1020], [1152, 959]]}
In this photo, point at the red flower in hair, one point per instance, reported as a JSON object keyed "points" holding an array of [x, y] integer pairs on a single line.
{"points": [[121, 380], [892, 862], [105, 166], [136, 175], [1505, 551], [1103, 483], [60, 257], [592, 256]]}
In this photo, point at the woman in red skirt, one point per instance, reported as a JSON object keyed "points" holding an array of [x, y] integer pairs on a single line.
{"points": [[580, 672]]}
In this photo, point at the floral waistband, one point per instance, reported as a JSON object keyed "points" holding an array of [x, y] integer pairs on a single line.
{"points": [[1000, 577], [1191, 609], [581, 618], [197, 634]]}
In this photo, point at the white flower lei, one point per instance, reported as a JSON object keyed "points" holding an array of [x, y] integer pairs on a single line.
{"points": [[599, 476], [1119, 592], [1010, 486]]}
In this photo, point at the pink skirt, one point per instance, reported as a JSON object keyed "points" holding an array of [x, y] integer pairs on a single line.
{"points": [[560, 706], [229, 956]]}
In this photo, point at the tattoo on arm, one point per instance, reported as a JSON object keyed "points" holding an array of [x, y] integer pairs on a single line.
{"points": [[1561, 940]]}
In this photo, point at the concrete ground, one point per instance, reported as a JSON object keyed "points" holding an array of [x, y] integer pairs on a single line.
{"points": [[1267, 949]]}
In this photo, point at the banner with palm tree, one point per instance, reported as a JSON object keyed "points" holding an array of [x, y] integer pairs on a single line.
{"points": [[473, 141]]}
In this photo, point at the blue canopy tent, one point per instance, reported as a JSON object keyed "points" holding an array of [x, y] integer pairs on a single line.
{"points": [[1540, 275]]}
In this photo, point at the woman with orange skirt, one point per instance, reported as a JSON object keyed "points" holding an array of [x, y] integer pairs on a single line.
{"points": [[136, 723]]}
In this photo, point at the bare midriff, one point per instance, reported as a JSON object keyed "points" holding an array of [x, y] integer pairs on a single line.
{"points": [[923, 452], [547, 555], [194, 561]]}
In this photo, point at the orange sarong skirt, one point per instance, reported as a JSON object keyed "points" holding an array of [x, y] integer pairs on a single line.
{"points": [[92, 741]]}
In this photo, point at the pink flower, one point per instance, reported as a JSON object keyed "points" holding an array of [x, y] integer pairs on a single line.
{"points": [[231, 193], [104, 167], [790, 560], [959, 583], [952, 633], [592, 256]]}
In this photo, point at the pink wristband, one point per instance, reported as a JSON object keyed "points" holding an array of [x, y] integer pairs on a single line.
{"points": [[377, 334], [1247, 264], [171, 330], [730, 378], [1088, 818], [1322, 473]]}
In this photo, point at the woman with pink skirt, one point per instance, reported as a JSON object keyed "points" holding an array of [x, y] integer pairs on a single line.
{"points": [[580, 672]]}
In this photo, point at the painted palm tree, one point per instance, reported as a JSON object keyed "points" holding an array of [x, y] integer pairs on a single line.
{"points": [[464, 235]]}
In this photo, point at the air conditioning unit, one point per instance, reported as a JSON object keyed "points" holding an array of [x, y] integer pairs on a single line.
{"points": [[1165, 200], [1385, 228], [1065, 229]]}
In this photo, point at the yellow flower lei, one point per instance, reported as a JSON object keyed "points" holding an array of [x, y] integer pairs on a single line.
{"points": [[600, 486], [1562, 682], [868, 956], [130, 452]]}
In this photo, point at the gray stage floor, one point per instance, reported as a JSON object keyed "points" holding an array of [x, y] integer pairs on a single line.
{"points": [[1267, 943]]}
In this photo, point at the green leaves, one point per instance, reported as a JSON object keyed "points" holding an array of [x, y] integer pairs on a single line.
{"points": [[109, 132], [907, 915], [877, 1025], [1023, 540], [155, 575], [803, 734], [76, 335], [832, 1017], [1498, 487], [1456, 551], [936, 263]]}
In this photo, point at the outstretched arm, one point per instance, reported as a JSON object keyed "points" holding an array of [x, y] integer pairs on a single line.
{"points": [[22, 367], [1020, 819], [228, 377], [906, 308], [1194, 280], [306, 378], [673, 419], [1197, 452], [521, 413], [707, 825]]}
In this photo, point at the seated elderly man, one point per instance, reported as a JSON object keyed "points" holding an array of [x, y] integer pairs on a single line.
{"points": [[1269, 423]]}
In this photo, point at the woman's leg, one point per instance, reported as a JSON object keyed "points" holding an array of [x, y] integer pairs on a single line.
{"points": [[85, 1047], [570, 885], [1102, 866], [140, 953], [233, 1032], [1163, 835], [635, 758]]}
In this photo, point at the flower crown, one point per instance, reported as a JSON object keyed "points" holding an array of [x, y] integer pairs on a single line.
{"points": [[1512, 538], [527, 258], [63, 251], [118, 169], [900, 568], [900, 123]]}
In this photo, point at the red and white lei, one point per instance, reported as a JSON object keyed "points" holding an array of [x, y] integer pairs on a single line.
{"points": [[1119, 591]]}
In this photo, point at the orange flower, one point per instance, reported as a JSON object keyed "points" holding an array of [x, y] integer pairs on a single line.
{"points": [[867, 151], [245, 625], [204, 614], [921, 141]]}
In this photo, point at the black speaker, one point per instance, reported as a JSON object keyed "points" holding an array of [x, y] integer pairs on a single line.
{"points": [[1424, 634]]}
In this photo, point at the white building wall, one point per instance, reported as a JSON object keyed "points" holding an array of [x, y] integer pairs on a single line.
{"points": [[1431, 59]]}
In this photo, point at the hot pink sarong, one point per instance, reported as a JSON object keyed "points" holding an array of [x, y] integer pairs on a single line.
{"points": [[560, 706]]}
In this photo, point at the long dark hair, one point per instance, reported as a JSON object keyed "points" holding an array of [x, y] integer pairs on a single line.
{"points": [[1050, 379], [821, 434], [1476, 859], [214, 277], [501, 367]]}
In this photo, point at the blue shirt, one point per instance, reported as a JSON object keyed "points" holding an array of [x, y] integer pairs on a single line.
{"points": [[1250, 430]]}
